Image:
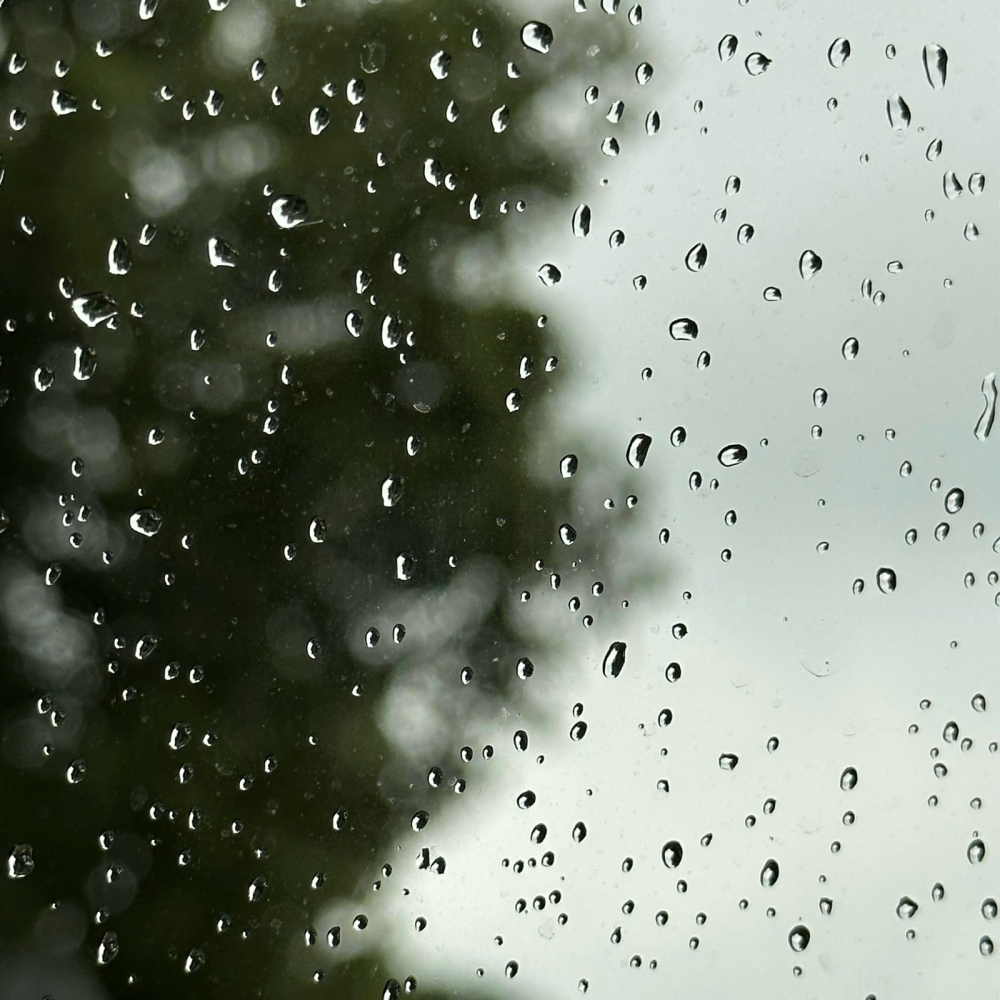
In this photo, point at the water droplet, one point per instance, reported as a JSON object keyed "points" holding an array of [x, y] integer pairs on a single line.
{"points": [[898, 112], [108, 949], [848, 779], [94, 308], [906, 908], [810, 263], [567, 533], [839, 52], [500, 118], [728, 761], [672, 853], [289, 211], [985, 422], [936, 65], [146, 521], [732, 454], [392, 491], [84, 363], [683, 329], [638, 449], [614, 659], [756, 63], [220, 253], [549, 274], [952, 185], [798, 937], [886, 580], [769, 873], [319, 118], [696, 257], [537, 36], [954, 500], [727, 47], [21, 862], [568, 466], [581, 221], [976, 851]]}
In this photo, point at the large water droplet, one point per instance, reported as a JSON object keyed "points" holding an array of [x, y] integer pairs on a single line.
{"points": [[220, 253], [976, 851], [727, 47], [898, 112], [683, 329], [954, 500], [21, 862], [119, 256], [839, 52], [440, 64], [614, 659], [886, 580], [756, 63], [84, 363], [107, 950], [537, 36], [289, 211], [638, 449], [319, 118], [769, 873], [732, 454], [672, 853], [696, 257], [567, 533], [985, 422], [936, 65], [500, 118], [849, 778], [94, 308], [549, 274], [798, 937], [146, 521], [581, 221], [392, 491], [810, 264]]}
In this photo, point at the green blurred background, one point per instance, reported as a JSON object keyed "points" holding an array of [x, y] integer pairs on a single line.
{"points": [[111, 639]]}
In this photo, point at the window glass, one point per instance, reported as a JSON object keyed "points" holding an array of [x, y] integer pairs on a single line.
{"points": [[499, 499]]}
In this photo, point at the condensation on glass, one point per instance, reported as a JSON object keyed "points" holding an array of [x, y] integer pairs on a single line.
{"points": [[499, 499]]}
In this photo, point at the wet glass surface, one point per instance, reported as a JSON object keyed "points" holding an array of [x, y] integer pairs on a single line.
{"points": [[498, 499]]}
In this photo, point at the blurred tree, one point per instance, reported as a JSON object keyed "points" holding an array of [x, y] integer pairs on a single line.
{"points": [[203, 463]]}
